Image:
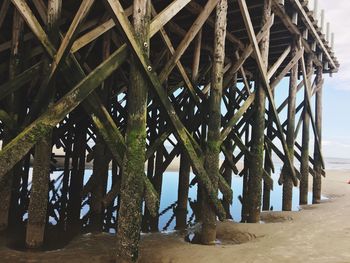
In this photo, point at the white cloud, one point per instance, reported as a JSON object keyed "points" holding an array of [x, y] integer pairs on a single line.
{"points": [[337, 13], [336, 147]]}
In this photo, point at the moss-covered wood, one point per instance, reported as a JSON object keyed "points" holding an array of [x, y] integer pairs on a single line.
{"points": [[11, 119], [132, 185], [39, 194], [212, 151], [192, 148], [102, 156], [258, 137], [185, 166], [20, 146], [262, 66], [176, 68], [37, 210]]}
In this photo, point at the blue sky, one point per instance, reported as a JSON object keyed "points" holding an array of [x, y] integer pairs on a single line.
{"points": [[336, 99], [336, 92]]}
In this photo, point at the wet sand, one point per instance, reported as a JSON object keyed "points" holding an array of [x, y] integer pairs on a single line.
{"points": [[318, 233]]}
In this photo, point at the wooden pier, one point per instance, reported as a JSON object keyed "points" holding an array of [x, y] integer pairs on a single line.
{"points": [[128, 85]]}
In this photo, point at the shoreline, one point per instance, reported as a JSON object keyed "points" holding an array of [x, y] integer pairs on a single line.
{"points": [[317, 233], [332, 163]]}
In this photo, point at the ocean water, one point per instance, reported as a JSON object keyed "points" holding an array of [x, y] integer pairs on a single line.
{"points": [[337, 163], [170, 186]]}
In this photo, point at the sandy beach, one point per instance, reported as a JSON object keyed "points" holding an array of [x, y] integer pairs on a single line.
{"points": [[317, 233]]}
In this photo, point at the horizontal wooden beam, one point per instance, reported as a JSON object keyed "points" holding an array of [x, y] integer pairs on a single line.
{"points": [[310, 26]]}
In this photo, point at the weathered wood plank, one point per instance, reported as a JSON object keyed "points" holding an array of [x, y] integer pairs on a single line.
{"points": [[18, 82], [132, 185], [236, 117], [317, 179], [37, 209], [10, 119], [92, 35], [246, 53], [96, 32], [20, 146], [314, 33], [167, 14], [290, 138], [191, 33], [212, 150], [3, 11], [278, 62], [262, 70], [304, 164], [35, 26], [183, 135], [196, 8], [69, 38], [308, 106], [179, 65], [293, 29], [100, 117]]}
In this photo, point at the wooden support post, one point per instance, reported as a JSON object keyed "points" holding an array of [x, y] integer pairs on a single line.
{"points": [[132, 186], [208, 218], [154, 170], [304, 164], [317, 179], [39, 194], [100, 170], [5, 195], [152, 134], [246, 173], [65, 180], [290, 138], [101, 155], [265, 81], [269, 169], [191, 146], [158, 175], [257, 148], [115, 203], [77, 174], [185, 166], [9, 188], [3, 10], [182, 194], [227, 174], [41, 168], [268, 165]]}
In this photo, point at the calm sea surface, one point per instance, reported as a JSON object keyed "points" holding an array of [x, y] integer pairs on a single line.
{"points": [[170, 186]]}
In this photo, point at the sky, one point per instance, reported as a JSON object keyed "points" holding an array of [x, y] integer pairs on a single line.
{"points": [[336, 94], [336, 98]]}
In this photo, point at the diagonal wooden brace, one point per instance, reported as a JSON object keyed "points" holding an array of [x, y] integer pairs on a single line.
{"points": [[253, 40], [183, 135], [308, 107], [21, 145]]}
